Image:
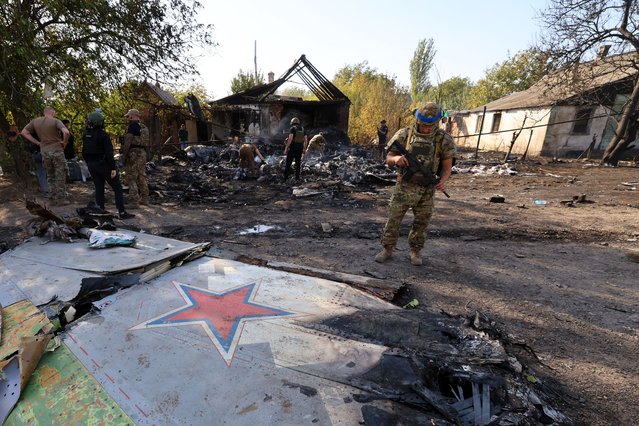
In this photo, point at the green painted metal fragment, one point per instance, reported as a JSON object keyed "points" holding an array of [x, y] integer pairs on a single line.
{"points": [[62, 392]]}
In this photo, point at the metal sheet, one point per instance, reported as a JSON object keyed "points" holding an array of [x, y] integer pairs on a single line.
{"points": [[222, 340], [40, 282], [62, 392], [42, 272], [77, 255], [10, 293]]}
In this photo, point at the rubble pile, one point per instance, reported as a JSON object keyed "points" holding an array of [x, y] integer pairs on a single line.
{"points": [[207, 174]]}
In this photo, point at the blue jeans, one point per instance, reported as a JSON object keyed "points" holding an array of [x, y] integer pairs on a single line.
{"points": [[41, 174]]}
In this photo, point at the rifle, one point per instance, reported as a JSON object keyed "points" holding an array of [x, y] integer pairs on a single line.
{"points": [[428, 178]]}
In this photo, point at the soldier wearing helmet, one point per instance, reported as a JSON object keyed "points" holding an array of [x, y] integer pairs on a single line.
{"points": [[97, 151], [435, 149], [296, 145]]}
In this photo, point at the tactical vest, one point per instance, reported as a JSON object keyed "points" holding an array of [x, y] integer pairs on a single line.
{"points": [[427, 148], [299, 135], [92, 143]]}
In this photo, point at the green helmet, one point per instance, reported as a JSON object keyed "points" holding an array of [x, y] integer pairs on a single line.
{"points": [[294, 121], [95, 119], [430, 113]]}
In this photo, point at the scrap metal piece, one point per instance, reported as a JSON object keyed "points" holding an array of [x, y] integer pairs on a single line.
{"points": [[9, 388]]}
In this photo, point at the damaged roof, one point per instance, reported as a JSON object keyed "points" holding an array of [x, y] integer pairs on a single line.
{"points": [[163, 95], [319, 85], [564, 85]]}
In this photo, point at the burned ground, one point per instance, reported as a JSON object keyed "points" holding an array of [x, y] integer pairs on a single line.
{"points": [[547, 271]]}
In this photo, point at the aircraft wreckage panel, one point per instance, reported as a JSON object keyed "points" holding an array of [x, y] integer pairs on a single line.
{"points": [[77, 255], [38, 282], [217, 341]]}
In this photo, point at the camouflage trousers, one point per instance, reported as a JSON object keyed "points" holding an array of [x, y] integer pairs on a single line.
{"points": [[56, 167], [135, 169], [420, 200]]}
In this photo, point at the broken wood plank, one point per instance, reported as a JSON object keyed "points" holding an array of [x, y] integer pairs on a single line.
{"points": [[380, 288]]}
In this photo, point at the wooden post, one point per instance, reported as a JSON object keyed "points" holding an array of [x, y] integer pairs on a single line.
{"points": [[515, 136], [483, 114], [523, 157]]}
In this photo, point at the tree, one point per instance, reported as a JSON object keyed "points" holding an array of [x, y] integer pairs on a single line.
{"points": [[297, 92], [374, 96], [245, 80], [81, 49], [575, 29], [515, 74], [452, 94], [419, 68]]}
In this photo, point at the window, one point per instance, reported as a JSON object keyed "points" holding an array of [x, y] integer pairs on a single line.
{"points": [[479, 124], [496, 122], [582, 119]]}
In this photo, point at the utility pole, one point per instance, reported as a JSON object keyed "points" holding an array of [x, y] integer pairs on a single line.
{"points": [[255, 61]]}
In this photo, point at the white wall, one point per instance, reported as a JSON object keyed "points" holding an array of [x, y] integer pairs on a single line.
{"points": [[511, 121], [560, 140]]}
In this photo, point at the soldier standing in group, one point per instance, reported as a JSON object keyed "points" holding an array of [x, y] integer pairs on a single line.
{"points": [[52, 137], [97, 151], [136, 142], [295, 147], [433, 148]]}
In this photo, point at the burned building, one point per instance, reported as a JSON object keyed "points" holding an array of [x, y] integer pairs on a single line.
{"points": [[259, 114]]}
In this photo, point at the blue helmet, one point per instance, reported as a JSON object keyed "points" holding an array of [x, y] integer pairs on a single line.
{"points": [[430, 113]]}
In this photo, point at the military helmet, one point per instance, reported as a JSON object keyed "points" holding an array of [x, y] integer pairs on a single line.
{"points": [[95, 119], [430, 113], [294, 121]]}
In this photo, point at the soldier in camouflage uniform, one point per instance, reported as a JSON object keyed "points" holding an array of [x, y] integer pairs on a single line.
{"points": [[433, 148], [52, 137], [134, 154]]}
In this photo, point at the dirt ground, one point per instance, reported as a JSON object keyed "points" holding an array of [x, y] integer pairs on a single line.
{"points": [[556, 276]]}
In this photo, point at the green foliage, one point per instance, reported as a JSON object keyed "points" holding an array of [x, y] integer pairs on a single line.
{"points": [[419, 68], [374, 97], [197, 89], [452, 94], [245, 80], [83, 48], [513, 75], [297, 92]]}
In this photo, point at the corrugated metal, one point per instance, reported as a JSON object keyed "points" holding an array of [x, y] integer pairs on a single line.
{"points": [[221, 342]]}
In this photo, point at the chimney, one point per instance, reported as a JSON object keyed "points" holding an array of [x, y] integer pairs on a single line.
{"points": [[271, 77], [603, 51]]}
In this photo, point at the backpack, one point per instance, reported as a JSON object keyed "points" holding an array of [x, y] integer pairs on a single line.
{"points": [[145, 138]]}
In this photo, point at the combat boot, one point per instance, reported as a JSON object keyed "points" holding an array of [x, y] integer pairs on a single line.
{"points": [[384, 255], [415, 257]]}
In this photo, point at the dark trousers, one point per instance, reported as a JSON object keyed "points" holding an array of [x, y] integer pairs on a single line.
{"points": [[295, 151], [100, 173]]}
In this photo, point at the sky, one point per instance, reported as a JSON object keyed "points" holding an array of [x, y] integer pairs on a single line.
{"points": [[469, 36]]}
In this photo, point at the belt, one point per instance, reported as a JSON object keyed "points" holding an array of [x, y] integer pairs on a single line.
{"points": [[138, 146]]}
